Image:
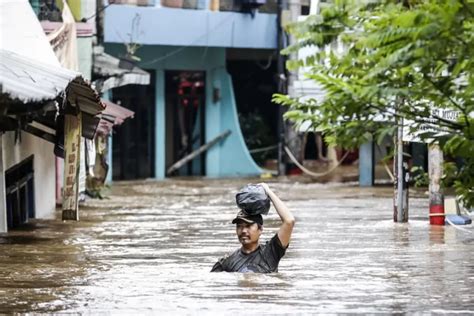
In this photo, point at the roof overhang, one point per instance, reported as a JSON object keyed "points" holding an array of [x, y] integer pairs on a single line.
{"points": [[39, 91], [108, 73], [33, 84], [113, 115]]}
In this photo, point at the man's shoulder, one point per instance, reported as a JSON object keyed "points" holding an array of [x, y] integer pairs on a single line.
{"points": [[233, 254]]}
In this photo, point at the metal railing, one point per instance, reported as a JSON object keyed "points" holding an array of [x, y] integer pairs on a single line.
{"points": [[270, 6]]}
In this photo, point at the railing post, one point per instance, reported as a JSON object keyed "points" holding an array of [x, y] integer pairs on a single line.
{"points": [[3, 202]]}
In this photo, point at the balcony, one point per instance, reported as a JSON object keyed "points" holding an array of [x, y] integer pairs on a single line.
{"points": [[191, 23], [264, 6]]}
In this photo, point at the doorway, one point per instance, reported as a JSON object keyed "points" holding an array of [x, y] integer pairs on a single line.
{"points": [[185, 120], [20, 193], [133, 149]]}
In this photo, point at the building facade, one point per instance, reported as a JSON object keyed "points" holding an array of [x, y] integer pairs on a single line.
{"points": [[195, 54]]}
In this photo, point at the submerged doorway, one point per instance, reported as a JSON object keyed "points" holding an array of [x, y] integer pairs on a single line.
{"points": [[185, 120], [133, 149], [20, 193]]}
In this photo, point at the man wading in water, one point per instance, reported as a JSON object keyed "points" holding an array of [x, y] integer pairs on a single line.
{"points": [[253, 257]]}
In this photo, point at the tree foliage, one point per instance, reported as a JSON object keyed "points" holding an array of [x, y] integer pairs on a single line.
{"points": [[399, 60]]}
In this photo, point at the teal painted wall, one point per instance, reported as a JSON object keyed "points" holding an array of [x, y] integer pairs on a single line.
{"points": [[229, 158]]}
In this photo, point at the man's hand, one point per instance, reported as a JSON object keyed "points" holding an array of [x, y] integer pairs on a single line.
{"points": [[288, 220], [265, 186]]}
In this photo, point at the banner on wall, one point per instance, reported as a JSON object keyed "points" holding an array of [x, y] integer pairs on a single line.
{"points": [[64, 40]]}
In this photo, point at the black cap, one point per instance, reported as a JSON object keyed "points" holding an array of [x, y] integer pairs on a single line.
{"points": [[244, 217]]}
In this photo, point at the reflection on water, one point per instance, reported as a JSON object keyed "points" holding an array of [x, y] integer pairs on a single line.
{"points": [[149, 248]]}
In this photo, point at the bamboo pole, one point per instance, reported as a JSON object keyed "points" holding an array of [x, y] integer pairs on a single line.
{"points": [[197, 152]]}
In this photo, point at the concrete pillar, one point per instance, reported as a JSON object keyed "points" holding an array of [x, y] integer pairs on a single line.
{"points": [[160, 126], [110, 143], [3, 202], [366, 164], [107, 95], [435, 170]]}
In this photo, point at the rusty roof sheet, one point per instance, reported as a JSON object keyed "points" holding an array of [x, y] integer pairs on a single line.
{"points": [[113, 114]]}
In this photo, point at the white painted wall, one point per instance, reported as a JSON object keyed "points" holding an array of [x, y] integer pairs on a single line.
{"points": [[43, 164], [84, 53]]}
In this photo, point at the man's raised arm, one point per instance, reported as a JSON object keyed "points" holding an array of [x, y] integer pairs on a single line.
{"points": [[288, 220]]}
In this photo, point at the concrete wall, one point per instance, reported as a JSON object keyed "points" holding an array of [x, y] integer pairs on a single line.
{"points": [[84, 53], [43, 164], [181, 27], [230, 157]]}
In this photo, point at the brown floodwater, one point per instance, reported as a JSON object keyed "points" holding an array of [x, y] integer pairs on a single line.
{"points": [[149, 246]]}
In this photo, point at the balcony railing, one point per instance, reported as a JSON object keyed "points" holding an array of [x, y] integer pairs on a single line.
{"points": [[264, 6]]}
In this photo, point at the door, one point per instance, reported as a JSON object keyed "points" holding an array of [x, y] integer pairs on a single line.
{"points": [[133, 148], [185, 121]]}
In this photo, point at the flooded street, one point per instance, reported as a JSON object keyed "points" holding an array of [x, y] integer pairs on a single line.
{"points": [[149, 246]]}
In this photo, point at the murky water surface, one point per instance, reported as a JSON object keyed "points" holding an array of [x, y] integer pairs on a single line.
{"points": [[150, 246]]}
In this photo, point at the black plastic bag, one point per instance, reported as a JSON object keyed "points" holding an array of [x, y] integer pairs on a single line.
{"points": [[253, 199]]}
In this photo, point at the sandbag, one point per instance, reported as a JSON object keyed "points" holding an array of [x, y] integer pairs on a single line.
{"points": [[253, 199]]}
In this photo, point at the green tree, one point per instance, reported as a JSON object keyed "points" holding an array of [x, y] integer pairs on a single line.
{"points": [[399, 60]]}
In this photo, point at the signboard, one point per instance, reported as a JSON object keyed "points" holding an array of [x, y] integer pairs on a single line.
{"points": [[72, 147], [431, 125]]}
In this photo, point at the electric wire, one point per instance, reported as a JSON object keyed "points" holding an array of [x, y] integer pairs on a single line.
{"points": [[309, 172], [176, 51]]}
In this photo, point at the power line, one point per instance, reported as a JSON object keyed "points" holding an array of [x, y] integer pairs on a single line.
{"points": [[84, 20], [188, 45]]}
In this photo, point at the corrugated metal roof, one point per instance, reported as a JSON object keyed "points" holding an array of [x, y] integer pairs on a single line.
{"points": [[31, 81], [113, 114], [106, 69]]}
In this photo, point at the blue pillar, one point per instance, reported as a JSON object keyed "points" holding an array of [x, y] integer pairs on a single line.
{"points": [[107, 95], [108, 179], [366, 164], [160, 126]]}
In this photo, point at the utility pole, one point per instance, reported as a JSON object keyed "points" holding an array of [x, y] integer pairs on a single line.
{"points": [[435, 171], [282, 88], [293, 137], [400, 167]]}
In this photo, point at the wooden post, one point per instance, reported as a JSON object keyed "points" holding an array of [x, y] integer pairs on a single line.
{"points": [[3, 202], [400, 168], [215, 5], [72, 148], [197, 152]]}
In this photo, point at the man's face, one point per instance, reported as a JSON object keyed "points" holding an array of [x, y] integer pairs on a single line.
{"points": [[248, 233]]}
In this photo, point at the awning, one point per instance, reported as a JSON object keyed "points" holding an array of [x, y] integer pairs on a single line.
{"points": [[107, 73], [33, 82], [82, 29], [30, 87], [113, 114]]}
